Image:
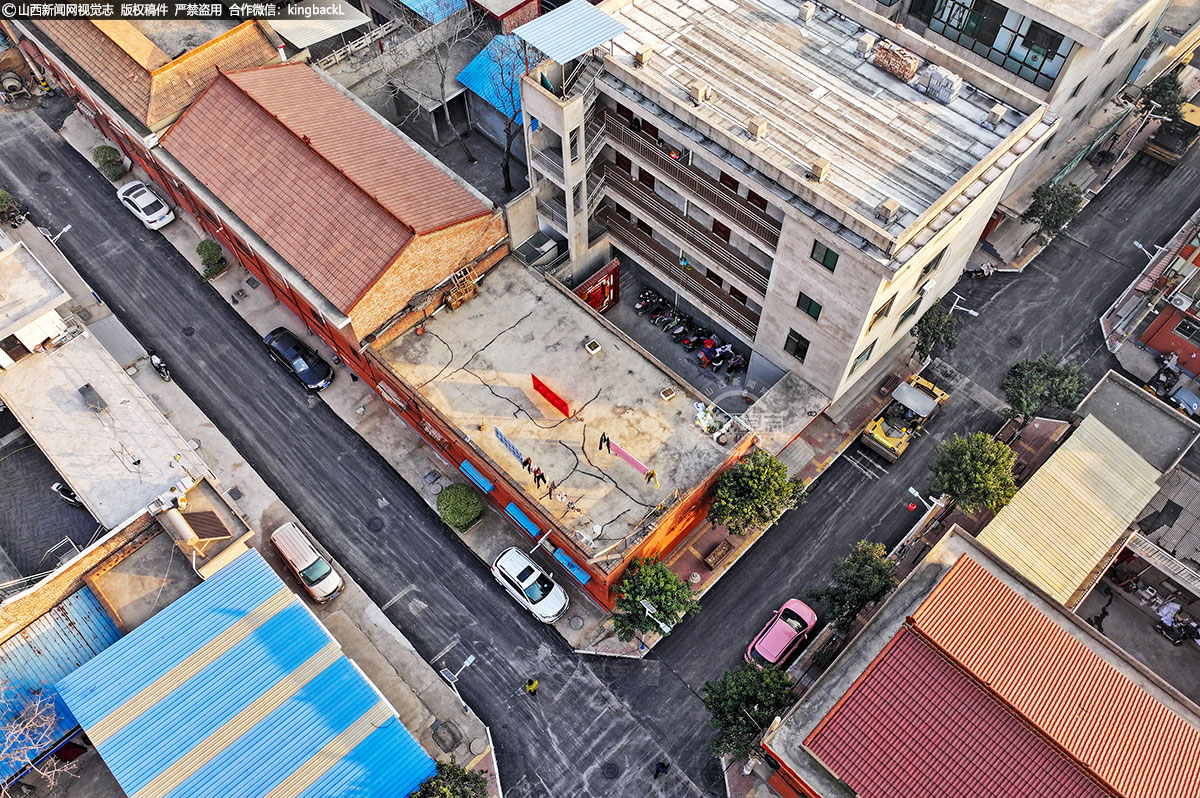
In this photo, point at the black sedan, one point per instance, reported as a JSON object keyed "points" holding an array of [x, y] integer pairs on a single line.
{"points": [[299, 358]]}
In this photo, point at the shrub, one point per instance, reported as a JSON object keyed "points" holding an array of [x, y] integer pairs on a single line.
{"points": [[7, 203], [210, 252], [459, 506], [860, 578], [106, 154], [213, 270], [113, 171]]}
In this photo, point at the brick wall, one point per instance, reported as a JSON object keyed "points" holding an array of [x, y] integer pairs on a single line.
{"points": [[426, 261], [520, 15]]}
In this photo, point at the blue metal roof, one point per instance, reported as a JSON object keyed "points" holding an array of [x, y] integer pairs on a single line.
{"points": [[236, 689], [571, 30], [434, 10], [32, 660], [495, 75]]}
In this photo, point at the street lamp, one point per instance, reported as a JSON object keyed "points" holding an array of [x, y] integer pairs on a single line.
{"points": [[653, 615], [53, 238], [451, 678], [1149, 256], [956, 306], [928, 505]]}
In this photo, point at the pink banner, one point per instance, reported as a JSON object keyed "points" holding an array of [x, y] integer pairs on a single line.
{"points": [[627, 457]]}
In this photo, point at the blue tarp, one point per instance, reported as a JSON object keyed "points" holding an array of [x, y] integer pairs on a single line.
{"points": [[1187, 400], [240, 649], [495, 75]]}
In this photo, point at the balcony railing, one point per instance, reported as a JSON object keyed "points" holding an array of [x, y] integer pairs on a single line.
{"points": [[595, 191], [557, 218], [700, 241], [644, 247], [549, 162], [737, 209], [594, 130]]}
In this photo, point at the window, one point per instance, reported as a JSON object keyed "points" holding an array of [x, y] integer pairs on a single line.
{"points": [[1110, 58], [1046, 146], [796, 345], [729, 182], [1188, 330], [809, 306], [983, 21], [1141, 30], [863, 357], [624, 164], [623, 212], [756, 200], [1078, 86], [908, 313], [721, 231], [736, 294], [645, 228], [646, 179], [714, 278], [574, 139], [824, 255], [933, 264], [624, 112], [882, 313], [1041, 40]]}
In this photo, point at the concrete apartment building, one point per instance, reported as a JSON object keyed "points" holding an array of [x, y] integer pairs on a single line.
{"points": [[786, 171]]}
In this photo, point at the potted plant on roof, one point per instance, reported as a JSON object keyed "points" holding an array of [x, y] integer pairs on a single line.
{"points": [[212, 258]]}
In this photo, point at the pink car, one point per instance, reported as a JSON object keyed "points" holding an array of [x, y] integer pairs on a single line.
{"points": [[783, 634]]}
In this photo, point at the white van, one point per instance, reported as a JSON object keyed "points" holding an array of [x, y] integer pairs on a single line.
{"points": [[314, 571]]}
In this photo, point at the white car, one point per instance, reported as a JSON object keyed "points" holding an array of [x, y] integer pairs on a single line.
{"points": [[530, 585], [143, 203]]}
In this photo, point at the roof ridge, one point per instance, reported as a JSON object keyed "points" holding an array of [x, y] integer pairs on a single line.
{"points": [[304, 139], [180, 59]]}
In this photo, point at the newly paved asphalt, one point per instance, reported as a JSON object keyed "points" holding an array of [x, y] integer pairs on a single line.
{"points": [[596, 726]]}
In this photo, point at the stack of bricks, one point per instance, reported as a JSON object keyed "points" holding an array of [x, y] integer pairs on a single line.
{"points": [[897, 60]]}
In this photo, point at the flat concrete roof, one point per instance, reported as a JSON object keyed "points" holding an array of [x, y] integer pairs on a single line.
{"points": [[1159, 433], [117, 460], [1088, 22], [475, 365], [27, 289], [884, 139], [178, 36]]}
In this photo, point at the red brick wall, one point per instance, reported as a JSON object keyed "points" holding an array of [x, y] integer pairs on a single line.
{"points": [[519, 16], [1160, 337]]}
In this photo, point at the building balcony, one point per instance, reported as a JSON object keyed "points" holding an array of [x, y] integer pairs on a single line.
{"points": [[702, 242], [551, 211], [653, 254], [749, 218], [550, 163]]}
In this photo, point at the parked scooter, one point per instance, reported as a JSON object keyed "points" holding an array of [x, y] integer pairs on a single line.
{"points": [[66, 494], [672, 321], [981, 273], [696, 339], [737, 364], [646, 300], [1177, 633], [18, 218], [717, 357], [676, 332], [159, 365], [662, 316]]}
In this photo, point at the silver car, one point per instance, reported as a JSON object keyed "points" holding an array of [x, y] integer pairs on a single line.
{"points": [[143, 203], [530, 585]]}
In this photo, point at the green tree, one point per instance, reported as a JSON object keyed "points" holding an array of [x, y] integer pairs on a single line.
{"points": [[1033, 386], [1167, 92], [975, 471], [742, 703], [106, 154], [861, 577], [647, 578], [1053, 207], [937, 327], [452, 780], [459, 506], [754, 493]]}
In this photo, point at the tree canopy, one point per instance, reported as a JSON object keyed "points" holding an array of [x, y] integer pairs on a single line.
{"points": [[742, 703], [1167, 92], [1034, 386], [1053, 207], [754, 493], [647, 578], [861, 577], [975, 470], [937, 327], [452, 780]]}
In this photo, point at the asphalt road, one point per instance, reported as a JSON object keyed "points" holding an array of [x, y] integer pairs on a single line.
{"points": [[1054, 305], [595, 728]]}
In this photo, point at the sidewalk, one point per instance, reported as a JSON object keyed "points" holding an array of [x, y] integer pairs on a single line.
{"points": [[426, 705]]}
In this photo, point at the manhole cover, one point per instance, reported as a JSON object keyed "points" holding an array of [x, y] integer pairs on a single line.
{"points": [[374, 523], [447, 736], [575, 623], [1014, 341], [610, 770], [43, 177], [189, 331]]}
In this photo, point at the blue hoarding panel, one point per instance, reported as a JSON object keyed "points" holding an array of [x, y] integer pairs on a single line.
{"points": [[573, 568], [473, 474], [520, 519]]}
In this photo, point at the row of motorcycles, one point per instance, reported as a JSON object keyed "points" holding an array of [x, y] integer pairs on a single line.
{"points": [[714, 353]]}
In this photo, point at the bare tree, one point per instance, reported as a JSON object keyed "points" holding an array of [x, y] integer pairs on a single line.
{"points": [[437, 52], [29, 725], [509, 61]]}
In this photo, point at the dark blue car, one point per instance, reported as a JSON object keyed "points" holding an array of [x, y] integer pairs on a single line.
{"points": [[299, 358]]}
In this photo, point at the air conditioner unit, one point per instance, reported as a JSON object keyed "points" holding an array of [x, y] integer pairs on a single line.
{"points": [[1182, 301], [757, 127], [808, 10], [819, 170]]}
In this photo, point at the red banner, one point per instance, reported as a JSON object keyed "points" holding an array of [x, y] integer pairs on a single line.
{"points": [[550, 396], [601, 289]]}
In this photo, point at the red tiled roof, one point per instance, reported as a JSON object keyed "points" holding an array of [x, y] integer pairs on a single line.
{"points": [[1096, 714], [915, 726], [141, 77], [332, 190]]}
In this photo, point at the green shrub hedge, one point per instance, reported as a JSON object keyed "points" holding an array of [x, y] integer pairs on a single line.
{"points": [[460, 506], [106, 154]]}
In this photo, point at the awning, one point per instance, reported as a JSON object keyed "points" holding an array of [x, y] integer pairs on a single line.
{"points": [[569, 31], [307, 32], [495, 75], [914, 399]]}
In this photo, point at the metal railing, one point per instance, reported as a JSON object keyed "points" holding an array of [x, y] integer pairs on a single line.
{"points": [[750, 218], [643, 247], [594, 132], [546, 161], [583, 81], [698, 240], [556, 217], [595, 191]]}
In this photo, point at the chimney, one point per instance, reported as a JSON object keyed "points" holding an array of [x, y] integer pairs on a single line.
{"points": [[758, 128], [807, 11], [642, 55], [996, 115], [820, 170], [700, 92], [888, 210]]}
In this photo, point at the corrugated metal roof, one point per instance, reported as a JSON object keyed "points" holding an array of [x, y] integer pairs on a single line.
{"points": [[306, 32], [235, 689], [434, 10], [495, 71], [54, 645], [571, 30], [915, 725], [1124, 736], [1063, 522]]}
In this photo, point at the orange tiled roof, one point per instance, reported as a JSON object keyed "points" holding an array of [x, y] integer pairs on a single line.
{"points": [[1118, 732], [141, 77]]}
